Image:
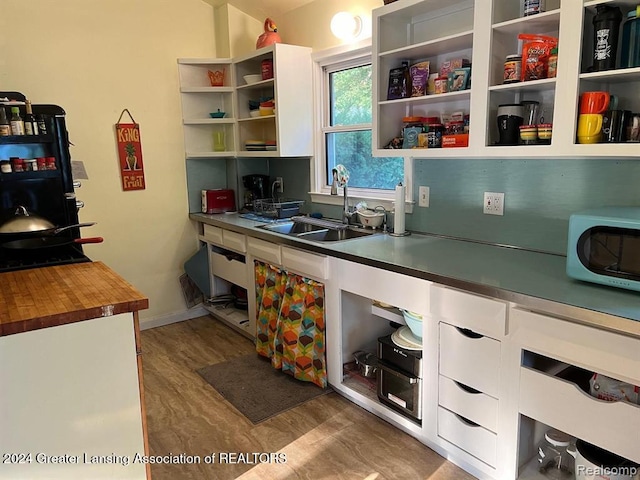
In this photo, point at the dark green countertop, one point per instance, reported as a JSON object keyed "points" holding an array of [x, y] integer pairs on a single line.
{"points": [[530, 279]]}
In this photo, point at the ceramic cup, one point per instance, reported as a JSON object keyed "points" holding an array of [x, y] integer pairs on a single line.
{"points": [[614, 125], [589, 128], [594, 102], [528, 134]]}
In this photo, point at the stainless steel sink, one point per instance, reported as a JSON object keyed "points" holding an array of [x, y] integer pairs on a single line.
{"points": [[317, 230]]}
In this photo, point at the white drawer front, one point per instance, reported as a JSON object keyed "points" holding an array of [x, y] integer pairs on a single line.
{"points": [[232, 270], [477, 407], [213, 234], [305, 263], [267, 251], [465, 310], [476, 440], [235, 241], [614, 426], [475, 362]]}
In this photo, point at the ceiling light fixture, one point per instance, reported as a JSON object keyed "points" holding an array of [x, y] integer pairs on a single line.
{"points": [[346, 26]]}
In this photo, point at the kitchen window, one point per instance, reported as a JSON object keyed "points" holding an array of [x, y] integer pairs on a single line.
{"points": [[344, 116]]}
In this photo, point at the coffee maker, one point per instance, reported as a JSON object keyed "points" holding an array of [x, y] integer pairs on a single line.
{"points": [[256, 188]]}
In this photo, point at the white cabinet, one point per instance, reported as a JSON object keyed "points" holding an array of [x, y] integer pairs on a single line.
{"points": [[290, 128], [555, 360], [486, 32], [287, 133], [229, 275], [72, 392], [413, 31], [471, 329], [200, 99]]}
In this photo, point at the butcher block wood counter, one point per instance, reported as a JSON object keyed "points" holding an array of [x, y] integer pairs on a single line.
{"points": [[50, 296]]}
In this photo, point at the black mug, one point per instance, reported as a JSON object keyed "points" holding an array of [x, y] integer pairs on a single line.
{"points": [[614, 125]]}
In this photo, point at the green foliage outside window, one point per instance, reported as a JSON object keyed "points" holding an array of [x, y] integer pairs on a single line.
{"points": [[351, 98]]}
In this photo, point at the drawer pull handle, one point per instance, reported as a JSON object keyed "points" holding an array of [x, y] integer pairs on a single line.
{"points": [[467, 421], [469, 333], [467, 389]]}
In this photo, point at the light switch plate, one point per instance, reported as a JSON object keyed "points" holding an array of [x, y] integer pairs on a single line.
{"points": [[423, 196]]}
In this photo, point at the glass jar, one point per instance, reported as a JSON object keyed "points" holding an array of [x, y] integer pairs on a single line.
{"points": [[512, 69], [554, 460], [434, 135]]}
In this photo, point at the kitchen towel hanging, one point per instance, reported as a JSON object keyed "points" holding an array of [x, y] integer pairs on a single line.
{"points": [[398, 216], [130, 153], [290, 323]]}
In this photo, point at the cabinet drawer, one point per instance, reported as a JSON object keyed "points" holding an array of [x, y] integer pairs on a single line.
{"points": [[232, 270], [213, 234], [475, 406], [470, 359], [267, 251], [305, 263], [480, 314], [473, 439], [613, 426], [235, 241]]}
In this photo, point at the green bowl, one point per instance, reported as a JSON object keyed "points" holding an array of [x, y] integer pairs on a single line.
{"points": [[217, 114]]}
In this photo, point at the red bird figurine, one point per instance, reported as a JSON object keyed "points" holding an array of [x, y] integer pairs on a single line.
{"points": [[269, 36]]}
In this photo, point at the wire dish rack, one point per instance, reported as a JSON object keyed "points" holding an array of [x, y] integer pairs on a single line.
{"points": [[283, 208]]}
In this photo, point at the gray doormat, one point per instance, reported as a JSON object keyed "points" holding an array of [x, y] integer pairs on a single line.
{"points": [[256, 389]]}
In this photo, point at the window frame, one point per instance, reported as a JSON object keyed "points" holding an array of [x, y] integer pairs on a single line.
{"points": [[324, 63]]}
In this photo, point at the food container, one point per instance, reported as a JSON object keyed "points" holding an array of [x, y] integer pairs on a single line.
{"points": [[367, 363], [553, 459], [512, 69], [442, 84]]}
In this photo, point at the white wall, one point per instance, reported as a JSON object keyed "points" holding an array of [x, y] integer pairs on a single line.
{"points": [[309, 25], [94, 59]]}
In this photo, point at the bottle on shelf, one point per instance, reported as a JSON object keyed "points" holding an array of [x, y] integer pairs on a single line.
{"points": [[17, 124], [42, 124], [606, 24], [30, 124], [5, 128]]}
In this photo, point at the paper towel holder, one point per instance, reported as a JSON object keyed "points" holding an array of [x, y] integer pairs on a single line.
{"points": [[399, 198]]}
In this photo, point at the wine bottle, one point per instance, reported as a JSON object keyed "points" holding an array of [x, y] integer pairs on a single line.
{"points": [[5, 128], [17, 124], [30, 124]]}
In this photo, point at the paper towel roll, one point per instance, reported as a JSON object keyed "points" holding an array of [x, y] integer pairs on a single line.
{"points": [[398, 216]]}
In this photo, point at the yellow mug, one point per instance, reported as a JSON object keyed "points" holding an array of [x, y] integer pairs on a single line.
{"points": [[589, 128]]}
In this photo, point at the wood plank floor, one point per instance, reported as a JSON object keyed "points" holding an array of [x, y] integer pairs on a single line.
{"points": [[187, 416]]}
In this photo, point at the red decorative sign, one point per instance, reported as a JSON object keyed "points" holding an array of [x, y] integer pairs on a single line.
{"points": [[130, 154]]}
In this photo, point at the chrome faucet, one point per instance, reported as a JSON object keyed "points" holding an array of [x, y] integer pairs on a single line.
{"points": [[348, 212]]}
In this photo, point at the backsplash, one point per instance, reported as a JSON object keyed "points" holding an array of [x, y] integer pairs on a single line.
{"points": [[540, 194]]}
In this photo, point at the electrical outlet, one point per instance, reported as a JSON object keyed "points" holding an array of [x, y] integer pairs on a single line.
{"points": [[493, 203], [280, 187], [423, 196]]}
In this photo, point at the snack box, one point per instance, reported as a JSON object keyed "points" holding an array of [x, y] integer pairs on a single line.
{"points": [[450, 65], [459, 79], [457, 140], [419, 77]]}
